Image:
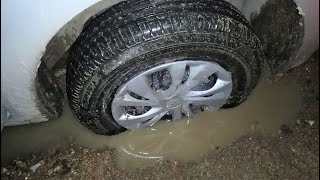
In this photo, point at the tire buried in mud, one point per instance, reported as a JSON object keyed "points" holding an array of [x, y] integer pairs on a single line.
{"points": [[134, 36]]}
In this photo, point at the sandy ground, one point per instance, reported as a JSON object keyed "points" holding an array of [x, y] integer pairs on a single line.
{"points": [[292, 154]]}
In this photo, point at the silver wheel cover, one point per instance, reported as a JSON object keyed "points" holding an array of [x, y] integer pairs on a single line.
{"points": [[138, 103]]}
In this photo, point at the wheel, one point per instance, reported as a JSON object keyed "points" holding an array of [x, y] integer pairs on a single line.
{"points": [[143, 61]]}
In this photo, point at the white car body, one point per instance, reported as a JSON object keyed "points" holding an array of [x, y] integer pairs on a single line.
{"points": [[27, 26]]}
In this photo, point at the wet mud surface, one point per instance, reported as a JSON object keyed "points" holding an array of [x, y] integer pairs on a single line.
{"points": [[272, 135], [287, 32]]}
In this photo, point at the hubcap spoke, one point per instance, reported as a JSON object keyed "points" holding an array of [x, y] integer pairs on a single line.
{"points": [[209, 101], [220, 86], [198, 73], [177, 73], [155, 119], [128, 100], [176, 113], [186, 110], [141, 86], [131, 119]]}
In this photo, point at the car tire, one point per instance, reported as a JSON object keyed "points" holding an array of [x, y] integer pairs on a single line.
{"points": [[134, 36]]}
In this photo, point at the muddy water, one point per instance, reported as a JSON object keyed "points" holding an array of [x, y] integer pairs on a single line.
{"points": [[269, 106]]}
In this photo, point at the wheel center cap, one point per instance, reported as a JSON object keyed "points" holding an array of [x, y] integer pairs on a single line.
{"points": [[173, 103]]}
